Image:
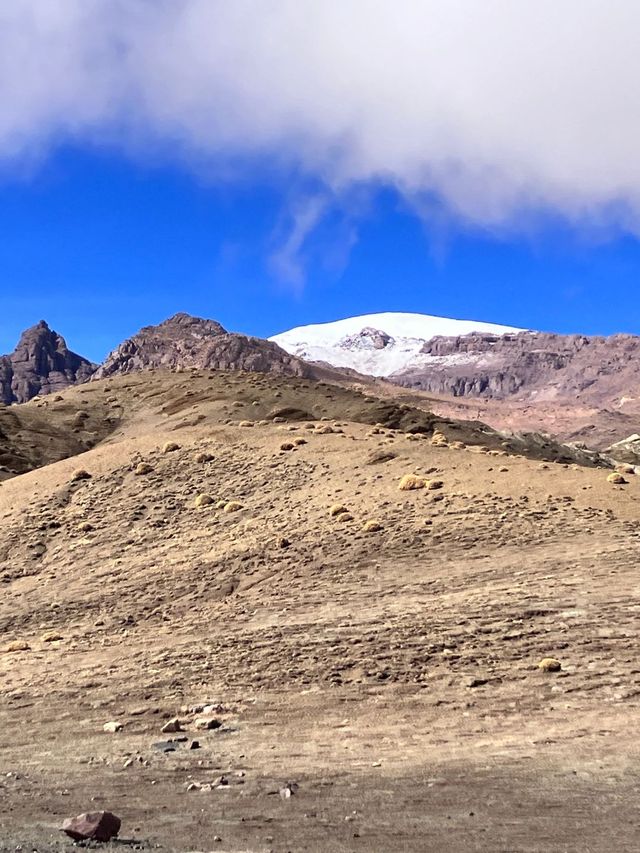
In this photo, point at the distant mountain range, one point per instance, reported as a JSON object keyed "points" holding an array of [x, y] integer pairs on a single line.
{"points": [[573, 386]]}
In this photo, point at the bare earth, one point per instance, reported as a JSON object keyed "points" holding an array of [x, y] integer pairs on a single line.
{"points": [[392, 675]]}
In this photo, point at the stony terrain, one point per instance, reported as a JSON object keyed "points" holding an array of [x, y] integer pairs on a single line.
{"points": [[370, 653]]}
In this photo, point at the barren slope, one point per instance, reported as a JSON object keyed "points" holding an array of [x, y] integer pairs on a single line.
{"points": [[392, 674]]}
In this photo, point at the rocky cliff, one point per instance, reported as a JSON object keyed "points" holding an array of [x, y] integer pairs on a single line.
{"points": [[40, 364], [530, 366]]}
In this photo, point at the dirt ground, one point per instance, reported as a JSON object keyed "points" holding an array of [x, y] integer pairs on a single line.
{"points": [[389, 676]]}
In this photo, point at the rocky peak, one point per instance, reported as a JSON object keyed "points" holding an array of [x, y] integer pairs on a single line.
{"points": [[184, 341], [367, 338], [40, 364]]}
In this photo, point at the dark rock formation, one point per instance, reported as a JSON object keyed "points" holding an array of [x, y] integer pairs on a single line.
{"points": [[40, 364], [183, 341]]}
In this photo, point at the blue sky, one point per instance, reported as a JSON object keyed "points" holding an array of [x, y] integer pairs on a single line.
{"points": [[272, 164], [99, 245]]}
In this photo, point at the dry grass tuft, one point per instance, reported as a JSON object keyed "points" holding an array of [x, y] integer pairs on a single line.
{"points": [[204, 500], [616, 478], [439, 439], [51, 637], [17, 646], [550, 665], [412, 481], [337, 509], [344, 516]]}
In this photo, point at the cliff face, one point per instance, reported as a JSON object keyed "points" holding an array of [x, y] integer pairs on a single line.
{"points": [[40, 364], [183, 341], [529, 366]]}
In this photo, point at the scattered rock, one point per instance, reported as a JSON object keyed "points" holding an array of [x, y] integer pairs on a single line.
{"points": [[286, 445], [92, 826], [372, 526], [171, 726], [207, 723], [205, 457], [143, 468], [379, 456], [232, 506], [112, 727], [80, 474], [289, 789]]}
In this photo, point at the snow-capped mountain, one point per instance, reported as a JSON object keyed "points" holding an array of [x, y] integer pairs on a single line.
{"points": [[377, 344]]}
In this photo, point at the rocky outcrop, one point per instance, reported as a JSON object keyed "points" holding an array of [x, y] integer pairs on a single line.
{"points": [[40, 364], [531, 366], [183, 341], [627, 450]]}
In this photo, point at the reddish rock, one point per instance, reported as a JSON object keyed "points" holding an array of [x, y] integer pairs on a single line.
{"points": [[94, 826]]}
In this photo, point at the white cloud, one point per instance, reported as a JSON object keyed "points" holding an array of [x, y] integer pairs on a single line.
{"points": [[496, 107]]}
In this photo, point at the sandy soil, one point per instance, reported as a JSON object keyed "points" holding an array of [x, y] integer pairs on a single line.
{"points": [[392, 675]]}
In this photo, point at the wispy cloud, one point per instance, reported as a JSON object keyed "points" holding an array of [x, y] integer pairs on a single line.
{"points": [[494, 108]]}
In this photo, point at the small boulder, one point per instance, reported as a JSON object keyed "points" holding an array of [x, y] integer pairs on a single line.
{"points": [[92, 826], [171, 726], [79, 475], [170, 447], [143, 468], [206, 723], [112, 727]]}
